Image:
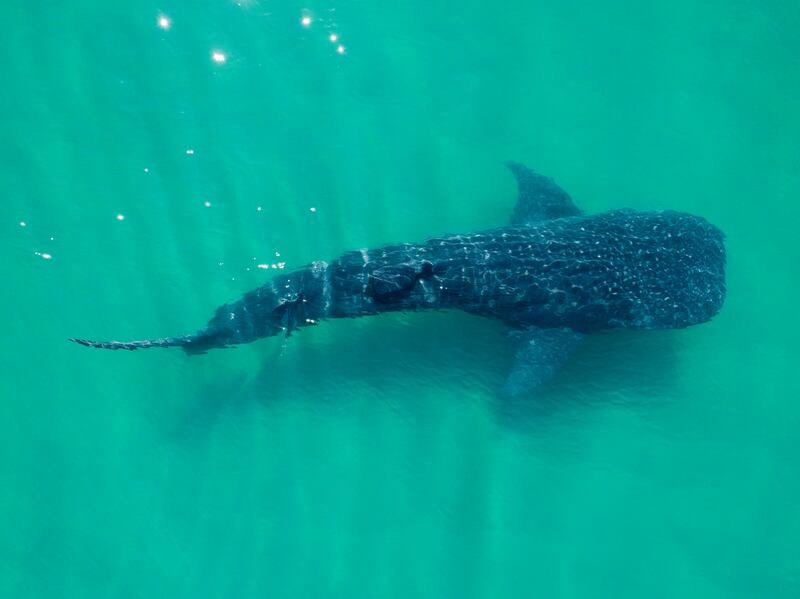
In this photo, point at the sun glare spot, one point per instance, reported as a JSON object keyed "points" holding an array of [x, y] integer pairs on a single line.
{"points": [[164, 22], [340, 49], [305, 21], [120, 217], [218, 57], [333, 37]]}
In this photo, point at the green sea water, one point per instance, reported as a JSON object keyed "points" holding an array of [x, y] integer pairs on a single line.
{"points": [[374, 458]]}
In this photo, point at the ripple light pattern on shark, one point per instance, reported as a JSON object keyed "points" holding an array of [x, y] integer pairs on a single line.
{"points": [[552, 275]]}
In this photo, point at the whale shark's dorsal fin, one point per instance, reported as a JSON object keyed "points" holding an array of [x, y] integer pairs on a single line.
{"points": [[540, 198]]}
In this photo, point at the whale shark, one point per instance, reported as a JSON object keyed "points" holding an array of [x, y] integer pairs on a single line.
{"points": [[552, 274]]}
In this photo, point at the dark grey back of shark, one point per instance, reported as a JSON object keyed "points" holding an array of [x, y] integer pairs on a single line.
{"points": [[551, 268]]}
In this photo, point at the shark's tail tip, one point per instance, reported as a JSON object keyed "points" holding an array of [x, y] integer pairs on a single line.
{"points": [[185, 342], [105, 344]]}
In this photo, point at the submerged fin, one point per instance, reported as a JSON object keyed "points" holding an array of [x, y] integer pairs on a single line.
{"points": [[540, 198], [540, 356], [291, 313]]}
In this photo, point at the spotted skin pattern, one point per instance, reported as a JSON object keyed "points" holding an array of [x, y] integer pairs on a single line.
{"points": [[551, 269]]}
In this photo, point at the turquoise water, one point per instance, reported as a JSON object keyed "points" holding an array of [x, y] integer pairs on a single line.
{"points": [[373, 458]]}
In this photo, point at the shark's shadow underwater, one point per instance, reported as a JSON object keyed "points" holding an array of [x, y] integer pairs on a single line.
{"points": [[552, 276], [618, 368]]}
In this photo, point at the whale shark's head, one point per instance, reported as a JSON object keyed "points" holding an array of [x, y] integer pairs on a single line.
{"points": [[682, 276]]}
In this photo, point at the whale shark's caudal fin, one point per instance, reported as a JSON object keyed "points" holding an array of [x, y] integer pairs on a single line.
{"points": [[540, 355], [190, 343], [540, 198]]}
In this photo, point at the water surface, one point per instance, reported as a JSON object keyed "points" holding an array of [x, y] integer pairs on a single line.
{"points": [[372, 458]]}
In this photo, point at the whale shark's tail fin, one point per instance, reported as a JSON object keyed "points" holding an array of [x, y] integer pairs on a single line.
{"points": [[192, 344]]}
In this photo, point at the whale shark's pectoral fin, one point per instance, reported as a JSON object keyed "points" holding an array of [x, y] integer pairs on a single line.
{"points": [[540, 198], [541, 354]]}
